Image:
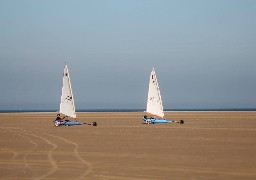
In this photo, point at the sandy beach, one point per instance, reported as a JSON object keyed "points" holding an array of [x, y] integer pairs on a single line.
{"points": [[210, 145]]}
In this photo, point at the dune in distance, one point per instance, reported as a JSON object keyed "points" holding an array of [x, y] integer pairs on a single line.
{"points": [[209, 145]]}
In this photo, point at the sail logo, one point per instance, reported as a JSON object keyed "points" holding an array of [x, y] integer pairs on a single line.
{"points": [[69, 98]]}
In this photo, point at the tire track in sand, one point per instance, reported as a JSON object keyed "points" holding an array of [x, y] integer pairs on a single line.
{"points": [[76, 146], [35, 145], [53, 163], [49, 154], [22, 133]]}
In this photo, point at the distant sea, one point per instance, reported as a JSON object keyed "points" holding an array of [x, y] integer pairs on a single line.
{"points": [[128, 110]]}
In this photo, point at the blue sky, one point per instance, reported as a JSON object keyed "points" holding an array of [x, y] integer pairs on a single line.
{"points": [[204, 52]]}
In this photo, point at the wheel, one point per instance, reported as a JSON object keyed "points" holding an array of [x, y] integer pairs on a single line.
{"points": [[94, 123], [56, 123], [148, 121], [181, 122]]}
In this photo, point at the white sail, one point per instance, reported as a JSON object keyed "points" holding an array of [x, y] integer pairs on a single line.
{"points": [[154, 101], [67, 105]]}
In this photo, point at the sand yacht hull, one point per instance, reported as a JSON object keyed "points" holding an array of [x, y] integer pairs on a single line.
{"points": [[155, 121], [66, 123]]}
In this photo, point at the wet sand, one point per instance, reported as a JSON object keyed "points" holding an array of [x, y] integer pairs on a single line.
{"points": [[210, 145]]}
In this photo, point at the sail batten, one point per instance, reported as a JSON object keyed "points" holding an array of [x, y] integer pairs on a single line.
{"points": [[154, 101], [67, 105]]}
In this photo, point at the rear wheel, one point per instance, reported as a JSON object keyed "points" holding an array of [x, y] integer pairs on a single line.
{"points": [[56, 123]]}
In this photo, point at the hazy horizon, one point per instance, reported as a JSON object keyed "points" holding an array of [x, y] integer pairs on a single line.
{"points": [[204, 53]]}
